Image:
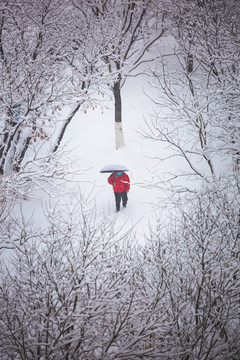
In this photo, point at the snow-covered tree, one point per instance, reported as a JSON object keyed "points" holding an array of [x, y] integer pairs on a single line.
{"points": [[129, 29], [28, 71], [48, 61], [195, 259], [75, 291], [197, 112], [81, 289]]}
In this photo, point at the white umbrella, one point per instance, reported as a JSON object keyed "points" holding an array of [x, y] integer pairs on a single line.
{"points": [[113, 167]]}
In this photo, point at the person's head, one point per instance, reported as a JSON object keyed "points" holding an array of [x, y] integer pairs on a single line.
{"points": [[118, 173]]}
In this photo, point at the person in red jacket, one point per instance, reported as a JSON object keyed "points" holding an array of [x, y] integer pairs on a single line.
{"points": [[121, 185]]}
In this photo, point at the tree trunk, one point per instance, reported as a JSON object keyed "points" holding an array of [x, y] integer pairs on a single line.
{"points": [[67, 122], [2, 148], [118, 114], [18, 161], [4, 151]]}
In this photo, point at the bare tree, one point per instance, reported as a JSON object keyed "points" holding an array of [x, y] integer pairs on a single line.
{"points": [[197, 261], [75, 291], [129, 29], [48, 61], [214, 31], [81, 289], [28, 76], [196, 111]]}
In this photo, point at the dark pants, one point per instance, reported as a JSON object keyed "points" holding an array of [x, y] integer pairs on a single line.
{"points": [[118, 197]]}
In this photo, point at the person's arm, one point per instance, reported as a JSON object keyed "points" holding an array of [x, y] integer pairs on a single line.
{"points": [[127, 183], [111, 179]]}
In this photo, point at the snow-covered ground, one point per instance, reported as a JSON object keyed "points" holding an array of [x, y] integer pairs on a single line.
{"points": [[91, 139], [90, 142]]}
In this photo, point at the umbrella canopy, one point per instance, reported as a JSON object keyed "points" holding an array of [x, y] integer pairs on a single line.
{"points": [[113, 167]]}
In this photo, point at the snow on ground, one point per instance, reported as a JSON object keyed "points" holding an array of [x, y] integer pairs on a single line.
{"points": [[92, 138]]}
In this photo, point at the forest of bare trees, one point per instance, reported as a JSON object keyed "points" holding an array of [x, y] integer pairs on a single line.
{"points": [[77, 287]]}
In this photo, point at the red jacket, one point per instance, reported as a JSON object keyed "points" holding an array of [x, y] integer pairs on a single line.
{"points": [[120, 183]]}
